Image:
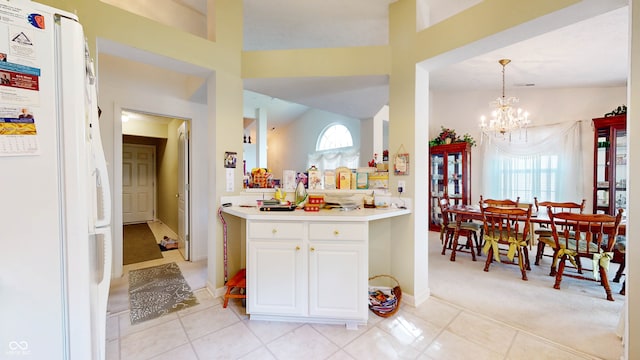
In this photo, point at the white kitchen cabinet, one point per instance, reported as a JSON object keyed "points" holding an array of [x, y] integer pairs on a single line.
{"points": [[337, 280], [305, 271], [309, 267], [277, 276]]}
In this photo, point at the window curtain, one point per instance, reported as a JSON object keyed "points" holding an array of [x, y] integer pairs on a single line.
{"points": [[521, 168], [329, 160]]}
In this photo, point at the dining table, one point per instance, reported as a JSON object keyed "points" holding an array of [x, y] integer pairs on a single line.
{"points": [[472, 212]]}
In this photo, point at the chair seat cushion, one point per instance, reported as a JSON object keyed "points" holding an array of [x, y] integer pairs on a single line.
{"points": [[505, 236], [543, 232], [465, 226], [571, 244]]}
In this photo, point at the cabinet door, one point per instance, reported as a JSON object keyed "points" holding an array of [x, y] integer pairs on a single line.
{"points": [[276, 277], [338, 280]]}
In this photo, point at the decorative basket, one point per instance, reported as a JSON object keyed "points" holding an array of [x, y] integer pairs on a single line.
{"points": [[385, 303]]}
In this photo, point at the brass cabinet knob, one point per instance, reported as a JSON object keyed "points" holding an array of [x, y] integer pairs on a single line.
{"points": [[336, 232], [313, 249], [273, 231], [297, 248]]}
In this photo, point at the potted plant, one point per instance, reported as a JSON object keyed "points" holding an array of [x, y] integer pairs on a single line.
{"points": [[449, 136]]}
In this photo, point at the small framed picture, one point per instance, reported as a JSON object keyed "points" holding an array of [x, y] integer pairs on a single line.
{"points": [[401, 164], [230, 159]]}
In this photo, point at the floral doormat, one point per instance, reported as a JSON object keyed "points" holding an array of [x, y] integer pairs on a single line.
{"points": [[156, 291]]}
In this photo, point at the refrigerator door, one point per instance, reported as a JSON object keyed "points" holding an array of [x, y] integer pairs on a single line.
{"points": [[57, 257]]}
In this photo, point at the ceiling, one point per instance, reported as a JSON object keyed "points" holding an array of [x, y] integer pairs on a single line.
{"points": [[588, 53], [579, 55]]}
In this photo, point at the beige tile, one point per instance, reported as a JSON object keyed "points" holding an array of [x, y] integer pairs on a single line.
{"points": [[153, 341], [410, 330], [339, 334], [112, 328], [205, 300], [526, 347], [112, 350], [231, 342], [208, 320], [379, 344], [236, 306], [302, 343], [261, 353], [126, 328], [183, 352], [340, 355], [483, 331], [435, 311], [449, 346], [267, 331]]}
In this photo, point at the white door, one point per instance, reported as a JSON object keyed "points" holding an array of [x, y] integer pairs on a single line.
{"points": [[183, 191], [138, 183]]}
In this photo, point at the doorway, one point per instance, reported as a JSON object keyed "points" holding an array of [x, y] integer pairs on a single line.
{"points": [[155, 177]]}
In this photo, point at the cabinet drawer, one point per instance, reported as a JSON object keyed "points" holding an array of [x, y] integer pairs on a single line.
{"points": [[275, 230], [338, 231]]}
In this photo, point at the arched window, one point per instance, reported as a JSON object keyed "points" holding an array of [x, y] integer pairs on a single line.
{"points": [[334, 148], [334, 137]]}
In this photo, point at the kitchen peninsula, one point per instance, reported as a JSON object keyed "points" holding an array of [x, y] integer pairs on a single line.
{"points": [[310, 266]]}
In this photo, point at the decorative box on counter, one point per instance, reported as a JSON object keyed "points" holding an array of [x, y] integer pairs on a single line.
{"points": [[312, 207], [315, 199], [314, 202]]}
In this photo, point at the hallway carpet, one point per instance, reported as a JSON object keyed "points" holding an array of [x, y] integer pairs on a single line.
{"points": [[139, 244]]}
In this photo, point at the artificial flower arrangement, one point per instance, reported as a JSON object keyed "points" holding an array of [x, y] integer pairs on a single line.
{"points": [[449, 136]]}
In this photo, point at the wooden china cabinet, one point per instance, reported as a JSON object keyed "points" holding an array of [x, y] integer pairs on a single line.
{"points": [[450, 176], [610, 164]]}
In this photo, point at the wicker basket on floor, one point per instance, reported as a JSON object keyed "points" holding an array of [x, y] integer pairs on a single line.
{"points": [[382, 304]]}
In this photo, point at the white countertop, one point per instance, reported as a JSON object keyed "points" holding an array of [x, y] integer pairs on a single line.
{"points": [[253, 213]]}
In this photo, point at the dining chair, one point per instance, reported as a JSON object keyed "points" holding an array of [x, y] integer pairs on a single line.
{"points": [[544, 231], [594, 237], [507, 226], [468, 229], [499, 202]]}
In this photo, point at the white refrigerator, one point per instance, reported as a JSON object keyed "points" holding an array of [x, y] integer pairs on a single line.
{"points": [[55, 262]]}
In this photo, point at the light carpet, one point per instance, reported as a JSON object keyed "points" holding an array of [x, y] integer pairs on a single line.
{"points": [[578, 315], [156, 291]]}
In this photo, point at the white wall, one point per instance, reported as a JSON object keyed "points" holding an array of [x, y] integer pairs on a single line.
{"points": [[462, 110], [289, 147]]}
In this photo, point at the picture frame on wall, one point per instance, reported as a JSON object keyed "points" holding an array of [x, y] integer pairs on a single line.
{"points": [[401, 164], [230, 159]]}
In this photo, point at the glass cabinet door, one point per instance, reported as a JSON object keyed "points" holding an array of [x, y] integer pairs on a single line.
{"points": [[602, 173], [449, 174], [621, 169], [610, 164], [437, 187], [454, 177]]}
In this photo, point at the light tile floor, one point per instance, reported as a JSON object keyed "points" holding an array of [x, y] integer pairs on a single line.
{"points": [[434, 330]]}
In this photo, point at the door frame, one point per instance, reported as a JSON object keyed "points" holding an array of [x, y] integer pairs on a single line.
{"points": [[186, 158], [117, 267]]}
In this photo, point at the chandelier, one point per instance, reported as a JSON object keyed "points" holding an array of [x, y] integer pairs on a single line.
{"points": [[505, 117]]}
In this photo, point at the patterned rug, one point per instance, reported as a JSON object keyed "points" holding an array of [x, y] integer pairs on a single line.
{"points": [[157, 291]]}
